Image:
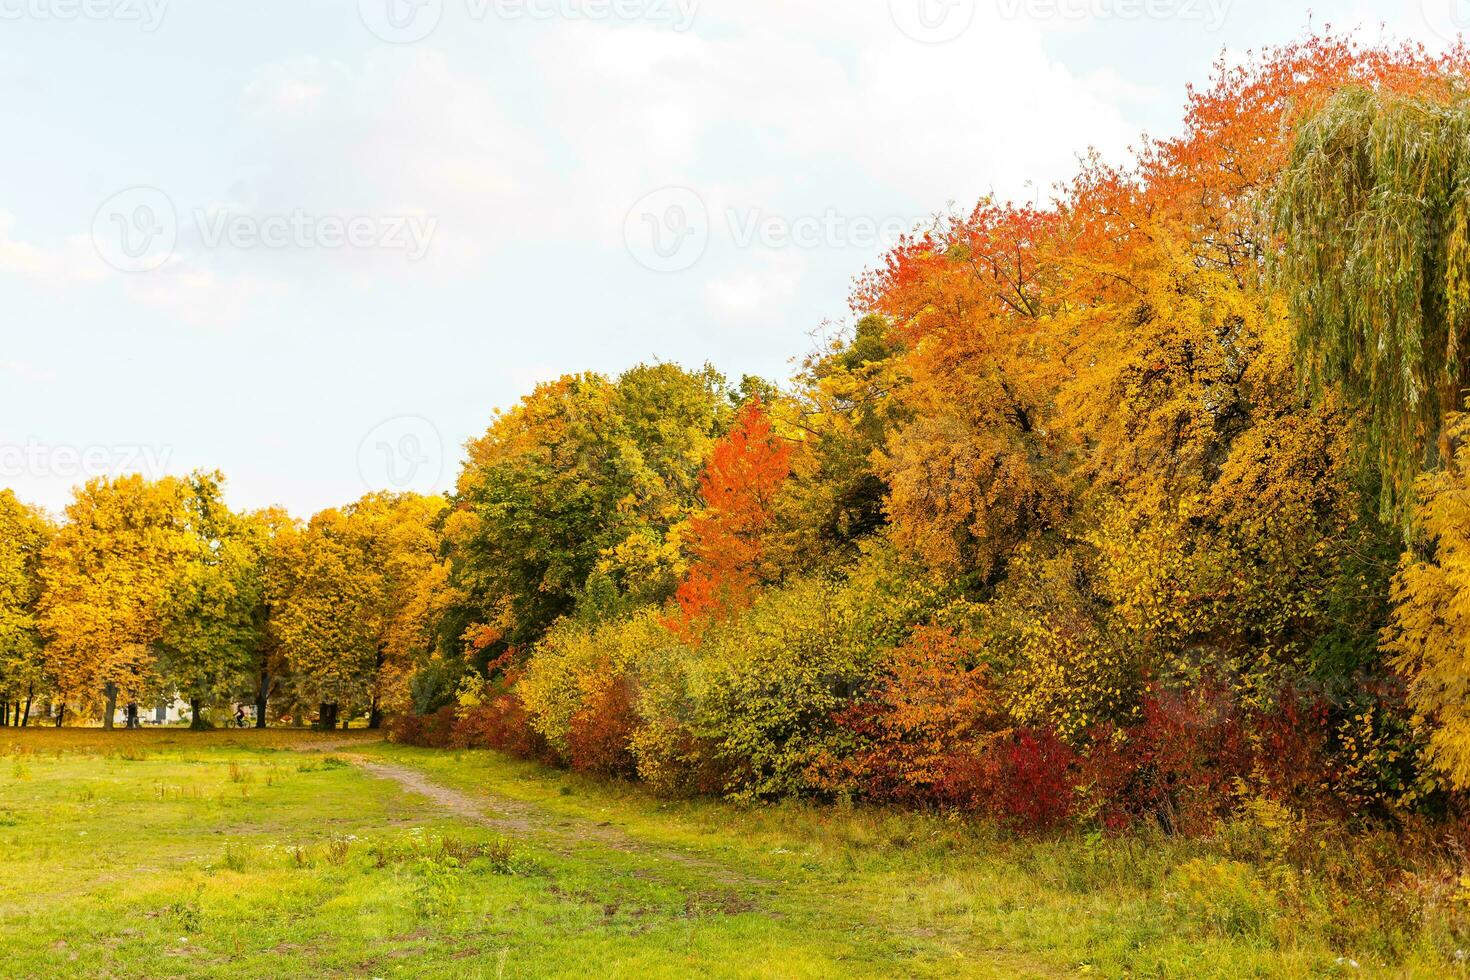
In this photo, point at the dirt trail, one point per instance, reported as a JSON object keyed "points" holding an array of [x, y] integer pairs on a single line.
{"points": [[522, 819]]}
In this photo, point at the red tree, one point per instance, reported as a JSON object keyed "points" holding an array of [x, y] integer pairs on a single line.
{"points": [[739, 484]]}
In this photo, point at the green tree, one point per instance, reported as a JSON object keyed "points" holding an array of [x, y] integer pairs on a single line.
{"points": [[213, 628], [1375, 222], [570, 497]]}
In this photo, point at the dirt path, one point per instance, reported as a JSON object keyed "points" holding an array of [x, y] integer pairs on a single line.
{"points": [[519, 818]]}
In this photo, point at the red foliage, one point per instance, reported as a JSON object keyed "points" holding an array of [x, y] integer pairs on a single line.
{"points": [[601, 733], [501, 723], [738, 486], [1179, 764], [919, 734], [1032, 788], [430, 731]]}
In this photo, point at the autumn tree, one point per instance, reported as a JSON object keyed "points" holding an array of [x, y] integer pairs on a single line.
{"points": [[24, 534], [213, 625], [107, 576], [1430, 632], [338, 614], [724, 539], [569, 498]]}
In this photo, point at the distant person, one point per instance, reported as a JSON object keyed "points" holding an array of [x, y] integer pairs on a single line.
{"points": [[239, 716]]}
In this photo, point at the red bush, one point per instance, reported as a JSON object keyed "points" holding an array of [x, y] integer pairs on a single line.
{"points": [[601, 734], [501, 723], [433, 731], [1178, 765], [918, 737], [1031, 781]]}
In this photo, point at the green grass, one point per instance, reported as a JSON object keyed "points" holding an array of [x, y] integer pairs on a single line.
{"points": [[276, 853]]}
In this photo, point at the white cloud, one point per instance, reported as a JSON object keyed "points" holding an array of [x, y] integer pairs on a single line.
{"points": [[57, 270], [757, 290], [199, 297], [27, 372]]}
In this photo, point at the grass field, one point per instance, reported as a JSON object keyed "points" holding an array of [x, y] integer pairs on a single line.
{"points": [[266, 854]]}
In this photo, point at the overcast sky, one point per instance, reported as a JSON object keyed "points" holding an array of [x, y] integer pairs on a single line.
{"points": [[314, 243]]}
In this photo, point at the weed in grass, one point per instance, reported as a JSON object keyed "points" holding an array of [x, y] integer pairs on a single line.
{"points": [[188, 912], [237, 858], [20, 770], [337, 850]]}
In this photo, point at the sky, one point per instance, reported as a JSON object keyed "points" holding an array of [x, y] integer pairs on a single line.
{"points": [[314, 244]]}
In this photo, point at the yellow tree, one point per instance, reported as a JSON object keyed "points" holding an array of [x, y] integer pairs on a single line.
{"points": [[24, 532], [106, 576], [1430, 630], [339, 609]]}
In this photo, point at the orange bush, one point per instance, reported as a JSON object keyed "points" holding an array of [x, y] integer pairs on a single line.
{"points": [[600, 736]]}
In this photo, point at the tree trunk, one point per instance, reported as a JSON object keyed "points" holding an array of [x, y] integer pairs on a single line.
{"points": [[133, 715], [328, 717], [60, 713], [4, 714], [109, 691], [375, 715], [25, 719], [262, 698], [196, 719]]}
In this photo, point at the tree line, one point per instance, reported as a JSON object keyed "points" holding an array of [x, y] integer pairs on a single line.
{"points": [[156, 589]]}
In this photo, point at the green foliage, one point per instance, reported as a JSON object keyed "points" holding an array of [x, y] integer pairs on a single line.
{"points": [[585, 477], [576, 663], [1375, 220], [761, 690]]}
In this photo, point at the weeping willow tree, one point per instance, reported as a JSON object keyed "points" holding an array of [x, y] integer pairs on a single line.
{"points": [[1372, 210]]}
